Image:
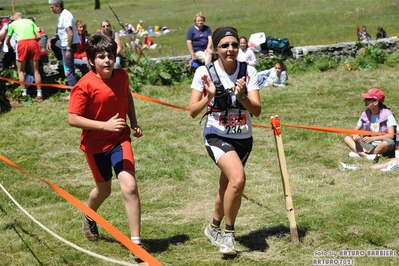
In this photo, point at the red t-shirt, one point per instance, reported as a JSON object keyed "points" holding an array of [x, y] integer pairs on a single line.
{"points": [[148, 41], [99, 99], [80, 49]]}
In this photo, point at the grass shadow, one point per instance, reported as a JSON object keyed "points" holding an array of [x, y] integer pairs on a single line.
{"points": [[20, 231], [156, 245], [257, 240]]}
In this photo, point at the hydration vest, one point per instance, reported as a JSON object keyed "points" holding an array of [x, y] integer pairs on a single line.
{"points": [[222, 99]]}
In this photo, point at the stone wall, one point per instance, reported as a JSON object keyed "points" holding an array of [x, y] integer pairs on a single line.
{"points": [[338, 50], [344, 49]]}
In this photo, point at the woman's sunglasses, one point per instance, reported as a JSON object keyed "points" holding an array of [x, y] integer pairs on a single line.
{"points": [[226, 45]]}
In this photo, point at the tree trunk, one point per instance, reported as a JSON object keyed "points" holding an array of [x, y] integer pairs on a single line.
{"points": [[96, 4]]}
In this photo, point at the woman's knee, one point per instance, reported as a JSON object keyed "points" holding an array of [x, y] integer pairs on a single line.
{"points": [[238, 183]]}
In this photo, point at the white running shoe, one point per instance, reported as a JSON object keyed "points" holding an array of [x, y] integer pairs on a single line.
{"points": [[393, 166], [372, 157], [353, 154], [214, 234], [227, 246], [344, 166]]}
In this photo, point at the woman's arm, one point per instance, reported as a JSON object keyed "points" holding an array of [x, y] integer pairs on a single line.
{"points": [[197, 102], [251, 102], [191, 49], [252, 58], [283, 80], [118, 42]]}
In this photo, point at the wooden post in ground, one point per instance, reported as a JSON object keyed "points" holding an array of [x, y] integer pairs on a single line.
{"points": [[275, 121]]}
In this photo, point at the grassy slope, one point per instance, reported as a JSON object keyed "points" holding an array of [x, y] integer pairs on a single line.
{"points": [[334, 210], [304, 23]]}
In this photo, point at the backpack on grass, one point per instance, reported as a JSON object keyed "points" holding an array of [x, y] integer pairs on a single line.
{"points": [[276, 44]]}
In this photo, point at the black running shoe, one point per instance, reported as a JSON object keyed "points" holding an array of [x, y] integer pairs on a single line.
{"points": [[90, 228]]}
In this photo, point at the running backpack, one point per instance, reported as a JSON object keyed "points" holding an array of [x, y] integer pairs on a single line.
{"points": [[222, 99]]}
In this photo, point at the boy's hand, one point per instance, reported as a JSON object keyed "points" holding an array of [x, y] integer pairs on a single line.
{"points": [[138, 132], [115, 123]]}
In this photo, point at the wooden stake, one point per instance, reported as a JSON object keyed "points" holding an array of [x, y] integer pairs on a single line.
{"points": [[284, 176]]}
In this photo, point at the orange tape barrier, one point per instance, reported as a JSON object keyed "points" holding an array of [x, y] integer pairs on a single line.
{"points": [[149, 99], [325, 129], [336, 130], [58, 86], [137, 250]]}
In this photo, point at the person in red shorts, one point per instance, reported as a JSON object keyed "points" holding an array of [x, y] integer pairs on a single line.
{"points": [[27, 49], [99, 104]]}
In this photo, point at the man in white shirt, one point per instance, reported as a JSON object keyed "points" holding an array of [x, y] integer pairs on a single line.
{"points": [[68, 39]]}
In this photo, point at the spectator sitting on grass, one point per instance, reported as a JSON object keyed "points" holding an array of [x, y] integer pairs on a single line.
{"points": [[381, 33], [391, 165], [274, 77], [376, 118], [148, 42]]}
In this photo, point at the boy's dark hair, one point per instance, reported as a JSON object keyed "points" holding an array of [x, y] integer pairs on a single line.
{"points": [[99, 43]]}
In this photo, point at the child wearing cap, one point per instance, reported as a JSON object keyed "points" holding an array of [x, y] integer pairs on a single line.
{"points": [[376, 118]]}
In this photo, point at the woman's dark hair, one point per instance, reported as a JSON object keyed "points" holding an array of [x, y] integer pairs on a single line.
{"points": [[97, 44], [222, 32]]}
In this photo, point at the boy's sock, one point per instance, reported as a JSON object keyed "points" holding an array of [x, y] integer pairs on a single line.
{"points": [[24, 92], [39, 93], [136, 240]]}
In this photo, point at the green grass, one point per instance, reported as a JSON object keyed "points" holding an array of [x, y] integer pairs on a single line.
{"points": [[178, 181], [311, 23]]}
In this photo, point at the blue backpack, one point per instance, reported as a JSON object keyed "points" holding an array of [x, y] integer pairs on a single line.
{"points": [[276, 44]]}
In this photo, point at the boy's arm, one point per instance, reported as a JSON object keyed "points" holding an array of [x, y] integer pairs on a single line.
{"points": [[131, 113], [113, 124]]}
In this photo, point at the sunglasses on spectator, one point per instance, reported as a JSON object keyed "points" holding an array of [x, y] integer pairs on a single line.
{"points": [[106, 26], [226, 45]]}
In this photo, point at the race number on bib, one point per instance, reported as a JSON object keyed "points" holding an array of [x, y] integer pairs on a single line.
{"points": [[232, 124]]}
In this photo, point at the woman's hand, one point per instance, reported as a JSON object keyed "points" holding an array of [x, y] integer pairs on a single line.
{"points": [[209, 86], [239, 89]]}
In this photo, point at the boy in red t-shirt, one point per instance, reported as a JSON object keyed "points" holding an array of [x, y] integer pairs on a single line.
{"points": [[99, 104]]}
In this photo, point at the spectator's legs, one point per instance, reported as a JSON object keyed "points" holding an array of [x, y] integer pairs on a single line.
{"points": [[69, 67], [118, 62], [38, 79], [82, 65], [21, 73], [56, 48], [200, 56]]}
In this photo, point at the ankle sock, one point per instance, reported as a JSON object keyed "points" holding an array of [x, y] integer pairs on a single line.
{"points": [[24, 92], [39, 94], [215, 223], [229, 229], [136, 240]]}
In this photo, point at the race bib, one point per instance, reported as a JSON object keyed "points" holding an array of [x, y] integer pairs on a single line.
{"points": [[230, 124]]}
